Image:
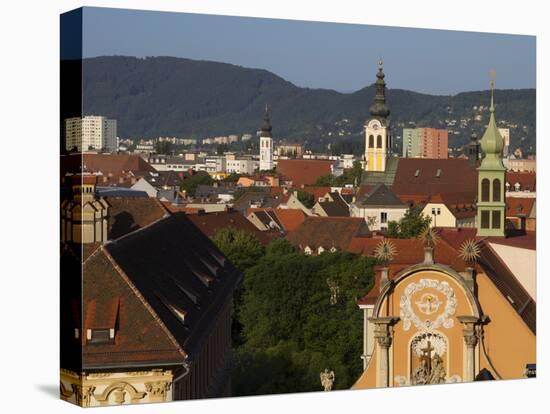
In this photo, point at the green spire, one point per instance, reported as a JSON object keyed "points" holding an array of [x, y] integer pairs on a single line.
{"points": [[491, 141]]}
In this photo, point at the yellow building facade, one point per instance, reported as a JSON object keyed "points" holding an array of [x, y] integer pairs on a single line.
{"points": [[431, 324]]}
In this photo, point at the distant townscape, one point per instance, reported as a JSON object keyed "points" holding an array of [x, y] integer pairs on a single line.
{"points": [[229, 264], [197, 101]]}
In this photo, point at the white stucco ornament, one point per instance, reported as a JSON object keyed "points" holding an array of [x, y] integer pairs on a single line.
{"points": [[428, 304], [426, 340]]}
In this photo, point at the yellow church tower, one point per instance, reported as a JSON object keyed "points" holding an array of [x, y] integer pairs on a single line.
{"points": [[378, 140]]}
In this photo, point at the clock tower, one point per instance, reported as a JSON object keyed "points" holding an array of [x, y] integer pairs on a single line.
{"points": [[266, 144], [378, 139]]}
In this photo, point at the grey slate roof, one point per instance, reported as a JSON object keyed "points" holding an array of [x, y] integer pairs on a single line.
{"points": [[387, 177], [380, 196], [120, 192], [260, 199], [336, 208]]}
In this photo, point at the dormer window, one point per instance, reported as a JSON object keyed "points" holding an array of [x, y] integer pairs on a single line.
{"points": [[100, 336]]}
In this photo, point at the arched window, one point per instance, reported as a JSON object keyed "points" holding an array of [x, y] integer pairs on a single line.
{"points": [[485, 184], [371, 141], [496, 189], [379, 141]]}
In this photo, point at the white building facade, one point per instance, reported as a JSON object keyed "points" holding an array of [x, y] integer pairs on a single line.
{"points": [[266, 144], [91, 133]]}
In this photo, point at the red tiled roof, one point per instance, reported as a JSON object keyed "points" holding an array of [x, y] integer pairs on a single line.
{"points": [[527, 180], [419, 176], [409, 251], [327, 232], [290, 218], [456, 236], [105, 163], [316, 192], [131, 213], [522, 241], [210, 223], [140, 336], [276, 191], [363, 191], [304, 172], [516, 206], [174, 208]]}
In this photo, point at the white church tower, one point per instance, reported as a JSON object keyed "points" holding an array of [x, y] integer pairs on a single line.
{"points": [[378, 139], [266, 144]]}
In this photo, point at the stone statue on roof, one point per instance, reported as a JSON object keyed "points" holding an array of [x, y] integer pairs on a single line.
{"points": [[327, 379]]}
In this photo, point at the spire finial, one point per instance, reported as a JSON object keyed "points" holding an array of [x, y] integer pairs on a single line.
{"points": [[492, 74], [266, 126]]}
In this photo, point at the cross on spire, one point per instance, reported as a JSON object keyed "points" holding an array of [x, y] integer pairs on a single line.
{"points": [[493, 75]]}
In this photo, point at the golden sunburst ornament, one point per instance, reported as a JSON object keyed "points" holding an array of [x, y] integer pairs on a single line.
{"points": [[385, 251], [469, 251], [429, 237]]}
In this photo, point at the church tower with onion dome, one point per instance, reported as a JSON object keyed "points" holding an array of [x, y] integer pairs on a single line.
{"points": [[491, 205], [266, 144], [378, 139]]}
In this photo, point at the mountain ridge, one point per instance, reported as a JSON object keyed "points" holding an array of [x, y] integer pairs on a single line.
{"points": [[170, 96]]}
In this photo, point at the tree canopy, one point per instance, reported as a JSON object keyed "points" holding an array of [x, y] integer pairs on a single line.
{"points": [[351, 176], [191, 183], [410, 225], [241, 247], [299, 316], [145, 97]]}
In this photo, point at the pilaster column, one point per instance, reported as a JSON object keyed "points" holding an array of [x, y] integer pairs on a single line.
{"points": [[383, 336], [470, 342], [83, 394]]}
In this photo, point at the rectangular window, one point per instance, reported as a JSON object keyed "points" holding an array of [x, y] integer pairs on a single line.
{"points": [[496, 219], [438, 211], [383, 217], [485, 219]]}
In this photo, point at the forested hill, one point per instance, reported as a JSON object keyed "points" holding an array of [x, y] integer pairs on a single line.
{"points": [[167, 96]]}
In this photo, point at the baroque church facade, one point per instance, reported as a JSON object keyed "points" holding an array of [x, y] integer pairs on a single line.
{"points": [[458, 313]]}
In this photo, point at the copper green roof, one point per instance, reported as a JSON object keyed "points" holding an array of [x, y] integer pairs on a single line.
{"points": [[492, 143]]}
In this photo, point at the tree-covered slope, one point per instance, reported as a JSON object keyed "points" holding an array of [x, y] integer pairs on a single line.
{"points": [[167, 96]]}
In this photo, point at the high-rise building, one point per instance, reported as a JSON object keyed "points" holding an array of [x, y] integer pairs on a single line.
{"points": [[491, 207], [378, 140], [505, 134], [425, 143], [411, 143], [91, 133], [266, 144]]}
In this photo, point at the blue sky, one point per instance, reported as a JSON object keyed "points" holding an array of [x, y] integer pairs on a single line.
{"points": [[319, 55]]}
